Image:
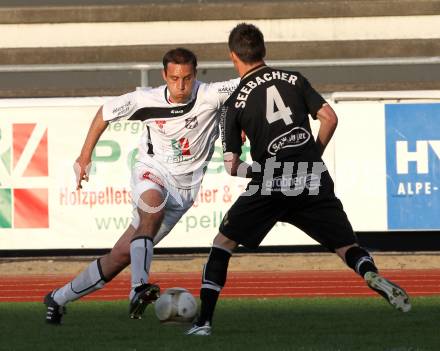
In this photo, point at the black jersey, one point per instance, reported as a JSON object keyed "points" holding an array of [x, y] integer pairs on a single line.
{"points": [[272, 107]]}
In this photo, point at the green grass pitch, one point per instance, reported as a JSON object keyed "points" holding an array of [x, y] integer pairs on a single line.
{"points": [[326, 324]]}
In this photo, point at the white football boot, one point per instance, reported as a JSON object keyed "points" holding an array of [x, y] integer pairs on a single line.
{"points": [[204, 330], [394, 294]]}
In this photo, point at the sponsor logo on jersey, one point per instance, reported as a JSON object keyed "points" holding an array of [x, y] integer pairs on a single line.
{"points": [[191, 122], [293, 138], [227, 89], [122, 110], [223, 113], [180, 147], [161, 124], [413, 163], [181, 151], [23, 160], [174, 112]]}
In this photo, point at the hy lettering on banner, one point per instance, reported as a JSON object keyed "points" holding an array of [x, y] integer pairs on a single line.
{"points": [[23, 158], [413, 165]]}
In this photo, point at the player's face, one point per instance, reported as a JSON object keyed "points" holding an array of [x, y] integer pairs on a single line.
{"points": [[180, 79]]}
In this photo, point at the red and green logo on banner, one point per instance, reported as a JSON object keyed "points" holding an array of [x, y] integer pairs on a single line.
{"points": [[25, 207]]}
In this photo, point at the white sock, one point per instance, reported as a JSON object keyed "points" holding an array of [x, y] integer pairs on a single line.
{"points": [[89, 280], [141, 254]]}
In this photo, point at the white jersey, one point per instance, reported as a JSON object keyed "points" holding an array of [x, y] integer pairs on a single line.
{"points": [[179, 138]]}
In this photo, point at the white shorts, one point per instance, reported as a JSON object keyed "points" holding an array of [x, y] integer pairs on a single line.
{"points": [[177, 201]]}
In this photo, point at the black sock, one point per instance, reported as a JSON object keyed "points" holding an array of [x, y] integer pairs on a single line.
{"points": [[360, 260], [209, 298], [213, 280]]}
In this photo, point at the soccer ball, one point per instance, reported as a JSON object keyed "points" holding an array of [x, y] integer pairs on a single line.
{"points": [[176, 305]]}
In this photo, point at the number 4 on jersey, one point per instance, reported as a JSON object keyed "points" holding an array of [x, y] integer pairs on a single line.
{"points": [[274, 100]]}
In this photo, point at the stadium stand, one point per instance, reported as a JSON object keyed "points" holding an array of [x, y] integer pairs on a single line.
{"points": [[351, 45]]}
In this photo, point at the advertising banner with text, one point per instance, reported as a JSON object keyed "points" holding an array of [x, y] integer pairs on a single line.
{"points": [[388, 164], [384, 159]]}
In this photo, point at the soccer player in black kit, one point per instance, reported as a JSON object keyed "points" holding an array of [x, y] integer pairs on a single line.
{"points": [[289, 181]]}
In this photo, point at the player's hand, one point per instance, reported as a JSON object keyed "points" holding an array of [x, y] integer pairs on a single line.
{"points": [[243, 137], [82, 170]]}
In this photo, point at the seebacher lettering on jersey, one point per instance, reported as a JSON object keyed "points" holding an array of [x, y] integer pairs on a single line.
{"points": [[259, 80]]}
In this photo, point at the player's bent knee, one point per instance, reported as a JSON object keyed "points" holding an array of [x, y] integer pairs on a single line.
{"points": [[151, 201], [222, 241], [341, 252]]}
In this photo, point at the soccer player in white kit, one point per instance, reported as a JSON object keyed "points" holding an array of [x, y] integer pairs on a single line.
{"points": [[182, 126]]}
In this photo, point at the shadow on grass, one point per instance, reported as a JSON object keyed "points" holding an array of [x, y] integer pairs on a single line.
{"points": [[240, 324]]}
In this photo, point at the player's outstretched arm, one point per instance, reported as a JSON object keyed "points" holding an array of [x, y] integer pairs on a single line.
{"points": [[84, 161], [328, 119]]}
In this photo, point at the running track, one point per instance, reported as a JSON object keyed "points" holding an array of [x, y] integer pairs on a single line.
{"points": [[240, 284]]}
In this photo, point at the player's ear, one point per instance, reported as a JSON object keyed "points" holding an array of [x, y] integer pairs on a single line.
{"points": [[233, 56]]}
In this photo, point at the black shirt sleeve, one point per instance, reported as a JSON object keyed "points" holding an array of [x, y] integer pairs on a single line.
{"points": [[230, 129], [313, 99]]}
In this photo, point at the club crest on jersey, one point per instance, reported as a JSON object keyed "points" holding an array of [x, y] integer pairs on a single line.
{"points": [[191, 122], [161, 124], [293, 138]]}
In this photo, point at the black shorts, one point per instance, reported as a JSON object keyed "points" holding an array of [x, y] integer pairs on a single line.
{"points": [[320, 216]]}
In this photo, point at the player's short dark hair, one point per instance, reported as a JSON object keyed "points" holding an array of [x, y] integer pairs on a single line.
{"points": [[180, 56], [247, 42]]}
